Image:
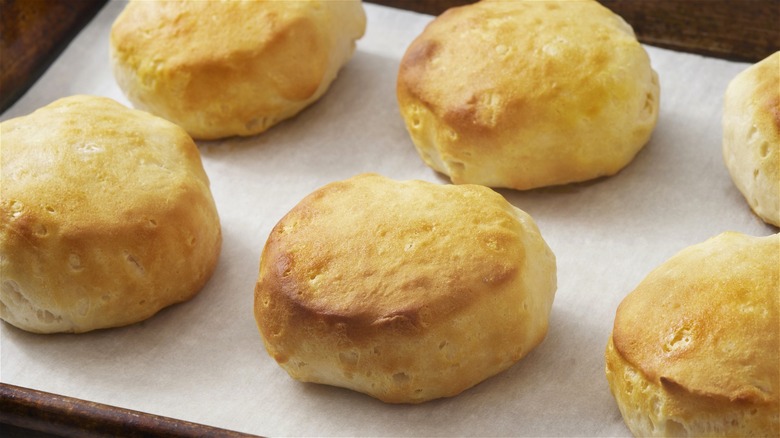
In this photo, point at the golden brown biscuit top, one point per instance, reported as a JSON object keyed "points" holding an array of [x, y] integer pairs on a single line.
{"points": [[706, 321], [505, 56], [215, 38], [84, 161], [207, 29], [376, 251]]}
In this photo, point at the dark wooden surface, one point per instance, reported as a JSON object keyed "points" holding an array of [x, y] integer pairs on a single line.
{"points": [[27, 412], [34, 32], [741, 30]]}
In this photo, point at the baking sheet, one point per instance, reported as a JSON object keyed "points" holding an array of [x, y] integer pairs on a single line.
{"points": [[203, 360]]}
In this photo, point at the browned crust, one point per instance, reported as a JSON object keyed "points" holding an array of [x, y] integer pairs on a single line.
{"points": [[290, 259], [706, 321]]}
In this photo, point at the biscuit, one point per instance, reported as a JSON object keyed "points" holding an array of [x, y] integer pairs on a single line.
{"points": [[695, 349], [525, 94], [406, 291], [106, 217], [221, 69]]}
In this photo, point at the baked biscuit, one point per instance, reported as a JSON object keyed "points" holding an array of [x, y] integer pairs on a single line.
{"points": [[695, 348], [406, 291], [221, 69], [525, 94], [751, 136], [106, 217]]}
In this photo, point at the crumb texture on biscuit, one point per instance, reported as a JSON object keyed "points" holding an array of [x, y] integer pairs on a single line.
{"points": [[406, 291], [222, 69], [105, 217], [526, 94], [695, 349], [751, 136]]}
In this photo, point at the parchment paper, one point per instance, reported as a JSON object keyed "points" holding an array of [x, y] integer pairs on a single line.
{"points": [[203, 360]]}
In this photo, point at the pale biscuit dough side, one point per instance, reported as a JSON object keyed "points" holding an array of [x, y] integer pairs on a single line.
{"points": [[751, 136]]}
